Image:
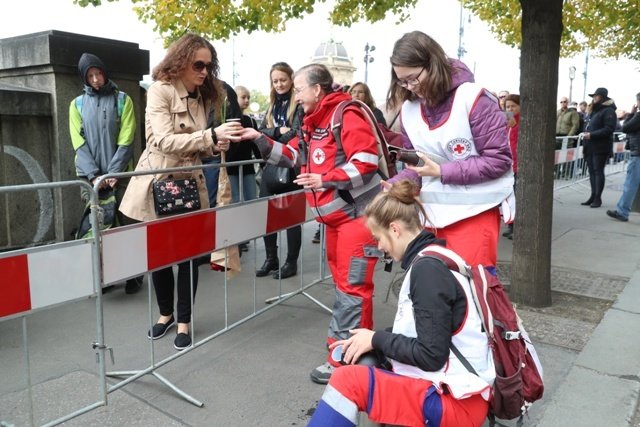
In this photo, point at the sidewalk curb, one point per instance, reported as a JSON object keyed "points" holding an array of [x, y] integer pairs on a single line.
{"points": [[603, 386]]}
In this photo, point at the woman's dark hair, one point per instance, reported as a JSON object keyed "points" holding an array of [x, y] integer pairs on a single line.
{"points": [[416, 49], [368, 98], [515, 98], [291, 111], [397, 204], [180, 56], [317, 74]]}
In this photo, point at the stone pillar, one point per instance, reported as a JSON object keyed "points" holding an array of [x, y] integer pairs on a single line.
{"points": [[46, 63]]}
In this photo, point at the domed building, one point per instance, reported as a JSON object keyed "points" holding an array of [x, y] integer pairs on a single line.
{"points": [[334, 56]]}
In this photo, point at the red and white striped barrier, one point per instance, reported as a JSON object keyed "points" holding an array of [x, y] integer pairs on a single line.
{"points": [[570, 154], [41, 277]]}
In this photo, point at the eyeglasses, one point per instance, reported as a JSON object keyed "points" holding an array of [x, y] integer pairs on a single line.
{"points": [[198, 66], [410, 82], [298, 90], [502, 96]]}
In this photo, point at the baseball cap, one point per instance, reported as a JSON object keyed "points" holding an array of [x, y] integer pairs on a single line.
{"points": [[603, 92]]}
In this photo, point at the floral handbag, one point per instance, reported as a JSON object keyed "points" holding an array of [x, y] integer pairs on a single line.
{"points": [[174, 196]]}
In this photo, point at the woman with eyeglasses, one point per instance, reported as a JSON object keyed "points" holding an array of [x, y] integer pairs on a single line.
{"points": [[445, 114], [185, 89], [339, 179]]}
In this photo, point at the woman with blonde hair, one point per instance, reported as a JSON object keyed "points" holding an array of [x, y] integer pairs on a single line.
{"points": [[282, 121], [428, 385], [185, 90]]}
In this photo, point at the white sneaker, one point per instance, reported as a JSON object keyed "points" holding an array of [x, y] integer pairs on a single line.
{"points": [[322, 373]]}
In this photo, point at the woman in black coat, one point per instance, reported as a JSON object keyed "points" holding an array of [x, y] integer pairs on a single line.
{"points": [[598, 142]]}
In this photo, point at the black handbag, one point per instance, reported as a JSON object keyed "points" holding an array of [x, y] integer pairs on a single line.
{"points": [[279, 180], [174, 196]]}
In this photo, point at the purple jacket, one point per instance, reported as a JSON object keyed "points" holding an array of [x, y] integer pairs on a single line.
{"points": [[489, 129]]}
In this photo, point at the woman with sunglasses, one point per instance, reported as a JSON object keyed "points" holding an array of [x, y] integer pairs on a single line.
{"points": [[185, 89], [445, 114]]}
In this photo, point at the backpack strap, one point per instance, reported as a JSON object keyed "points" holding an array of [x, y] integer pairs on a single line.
{"points": [[121, 98], [336, 129], [477, 280]]}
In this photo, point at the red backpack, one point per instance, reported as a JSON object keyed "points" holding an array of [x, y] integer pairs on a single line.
{"points": [[519, 373]]}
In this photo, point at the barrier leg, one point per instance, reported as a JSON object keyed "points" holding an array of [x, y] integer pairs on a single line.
{"points": [[134, 375]]}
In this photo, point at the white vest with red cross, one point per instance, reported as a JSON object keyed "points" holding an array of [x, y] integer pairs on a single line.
{"points": [[469, 339], [446, 204]]}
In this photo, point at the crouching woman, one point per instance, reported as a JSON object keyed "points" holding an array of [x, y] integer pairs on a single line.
{"points": [[428, 384]]}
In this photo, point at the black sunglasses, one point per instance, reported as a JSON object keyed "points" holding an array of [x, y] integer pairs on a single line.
{"points": [[198, 66]]}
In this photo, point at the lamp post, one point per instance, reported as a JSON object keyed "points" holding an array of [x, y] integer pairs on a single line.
{"points": [[367, 59], [572, 75]]}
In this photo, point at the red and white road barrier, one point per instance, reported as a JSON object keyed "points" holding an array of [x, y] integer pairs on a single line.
{"points": [[36, 278]]}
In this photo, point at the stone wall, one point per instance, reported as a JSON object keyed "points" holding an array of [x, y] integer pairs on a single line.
{"points": [[38, 81]]}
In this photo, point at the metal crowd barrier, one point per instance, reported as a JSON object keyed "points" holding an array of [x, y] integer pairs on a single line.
{"points": [[570, 166], [114, 255]]}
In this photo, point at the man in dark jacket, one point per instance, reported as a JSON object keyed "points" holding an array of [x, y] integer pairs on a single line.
{"points": [[598, 142], [631, 127]]}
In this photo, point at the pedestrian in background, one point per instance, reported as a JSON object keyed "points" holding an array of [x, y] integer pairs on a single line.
{"points": [[102, 125], [598, 142], [512, 105], [185, 88], [631, 127], [361, 92]]}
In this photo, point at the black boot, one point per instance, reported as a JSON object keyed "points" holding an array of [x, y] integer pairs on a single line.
{"points": [[287, 270], [596, 203], [588, 202], [271, 263]]}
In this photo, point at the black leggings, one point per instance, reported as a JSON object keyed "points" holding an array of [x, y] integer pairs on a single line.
{"points": [[596, 164], [163, 283]]}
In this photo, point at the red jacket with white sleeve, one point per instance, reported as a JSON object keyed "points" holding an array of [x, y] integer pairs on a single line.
{"points": [[349, 172]]}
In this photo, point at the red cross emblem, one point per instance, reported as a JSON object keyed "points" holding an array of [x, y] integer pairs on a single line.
{"points": [[460, 148], [318, 156]]}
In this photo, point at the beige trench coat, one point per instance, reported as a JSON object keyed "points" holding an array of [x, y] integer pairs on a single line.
{"points": [[176, 136]]}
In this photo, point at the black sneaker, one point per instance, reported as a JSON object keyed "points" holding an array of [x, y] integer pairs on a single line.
{"points": [[182, 341], [617, 215], [316, 237], [133, 285], [159, 329]]}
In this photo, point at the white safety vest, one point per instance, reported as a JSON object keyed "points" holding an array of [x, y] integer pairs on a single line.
{"points": [[470, 340], [446, 204]]}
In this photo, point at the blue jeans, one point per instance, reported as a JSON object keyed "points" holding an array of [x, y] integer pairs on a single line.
{"points": [[630, 188], [248, 187], [211, 178]]}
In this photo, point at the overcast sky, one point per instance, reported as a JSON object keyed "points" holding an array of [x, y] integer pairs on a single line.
{"points": [[496, 66]]}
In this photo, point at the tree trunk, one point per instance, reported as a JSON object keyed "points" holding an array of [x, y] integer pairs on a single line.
{"points": [[531, 270]]}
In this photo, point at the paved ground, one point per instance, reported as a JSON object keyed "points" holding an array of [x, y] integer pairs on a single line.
{"points": [[257, 374]]}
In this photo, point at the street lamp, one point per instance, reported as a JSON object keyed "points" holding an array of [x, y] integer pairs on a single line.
{"points": [[572, 75], [367, 59]]}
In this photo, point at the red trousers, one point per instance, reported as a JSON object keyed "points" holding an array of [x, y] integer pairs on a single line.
{"points": [[352, 272], [394, 399], [475, 239]]}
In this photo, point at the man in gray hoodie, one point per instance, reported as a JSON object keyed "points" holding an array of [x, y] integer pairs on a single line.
{"points": [[102, 126]]}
